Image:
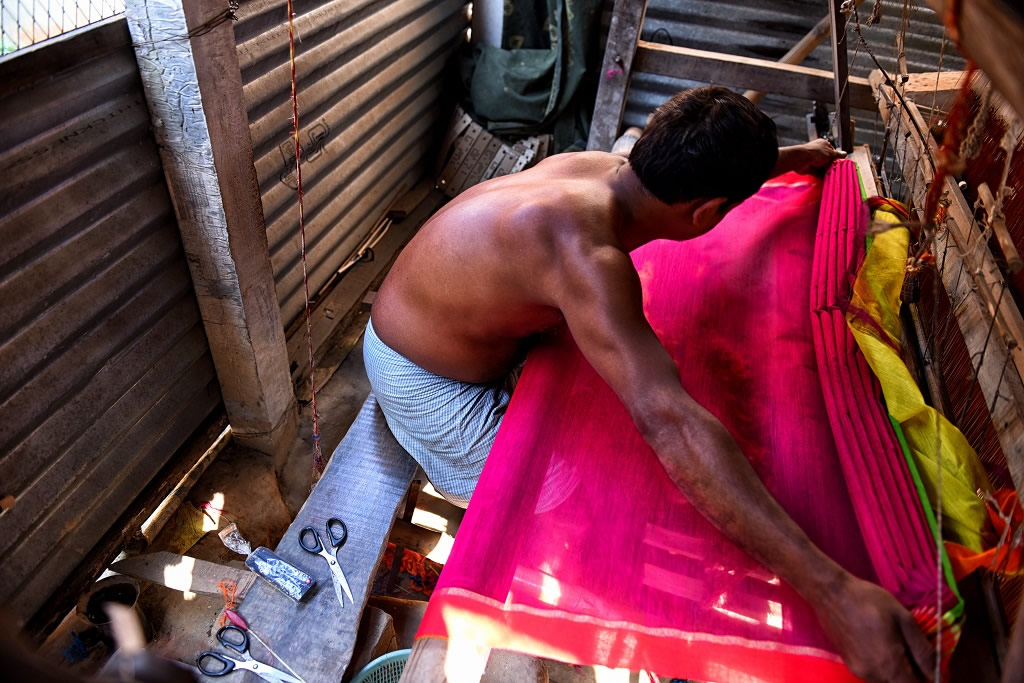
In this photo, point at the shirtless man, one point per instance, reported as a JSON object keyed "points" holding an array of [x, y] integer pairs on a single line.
{"points": [[517, 256]]}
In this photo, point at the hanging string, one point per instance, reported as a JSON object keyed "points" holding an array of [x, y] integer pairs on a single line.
{"points": [[318, 458], [938, 74]]}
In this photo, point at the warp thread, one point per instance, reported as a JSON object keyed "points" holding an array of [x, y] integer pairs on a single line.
{"points": [[971, 144], [876, 14]]}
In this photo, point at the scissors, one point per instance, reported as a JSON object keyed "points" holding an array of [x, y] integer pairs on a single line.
{"points": [[337, 534], [236, 639]]}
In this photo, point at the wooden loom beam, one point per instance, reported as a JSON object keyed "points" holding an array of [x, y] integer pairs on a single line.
{"points": [[974, 283], [746, 72], [930, 89], [801, 49]]}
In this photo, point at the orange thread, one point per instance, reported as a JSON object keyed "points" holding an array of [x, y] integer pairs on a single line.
{"points": [[227, 591]]}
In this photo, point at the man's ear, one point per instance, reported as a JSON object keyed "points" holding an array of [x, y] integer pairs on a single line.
{"points": [[707, 212]]}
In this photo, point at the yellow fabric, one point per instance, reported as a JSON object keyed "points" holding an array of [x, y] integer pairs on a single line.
{"points": [[877, 294]]}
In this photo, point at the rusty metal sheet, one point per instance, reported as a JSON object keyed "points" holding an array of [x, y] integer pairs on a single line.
{"points": [[104, 367], [370, 104]]}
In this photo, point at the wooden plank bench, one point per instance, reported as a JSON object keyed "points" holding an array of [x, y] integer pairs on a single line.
{"points": [[364, 483]]}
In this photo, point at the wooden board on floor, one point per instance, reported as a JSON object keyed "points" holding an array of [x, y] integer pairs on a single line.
{"points": [[364, 483], [184, 573]]}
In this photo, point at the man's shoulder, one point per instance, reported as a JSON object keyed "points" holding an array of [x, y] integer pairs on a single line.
{"points": [[580, 167], [563, 217], [577, 189]]}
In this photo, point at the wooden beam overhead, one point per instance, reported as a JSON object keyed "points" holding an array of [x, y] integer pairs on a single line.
{"points": [[800, 50], [746, 72]]}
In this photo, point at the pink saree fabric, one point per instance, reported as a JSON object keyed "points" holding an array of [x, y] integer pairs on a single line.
{"points": [[577, 545], [896, 530]]}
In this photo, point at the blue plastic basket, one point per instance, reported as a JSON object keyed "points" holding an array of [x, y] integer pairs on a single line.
{"points": [[385, 669]]}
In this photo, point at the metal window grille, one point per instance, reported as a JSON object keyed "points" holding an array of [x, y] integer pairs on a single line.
{"points": [[26, 22]]}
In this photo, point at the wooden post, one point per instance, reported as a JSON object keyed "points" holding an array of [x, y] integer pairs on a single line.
{"points": [[623, 34], [842, 74], [193, 88]]}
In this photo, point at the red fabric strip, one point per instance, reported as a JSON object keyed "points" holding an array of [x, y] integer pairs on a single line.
{"points": [[898, 538]]}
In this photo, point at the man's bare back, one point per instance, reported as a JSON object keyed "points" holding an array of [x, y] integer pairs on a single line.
{"points": [[477, 282]]}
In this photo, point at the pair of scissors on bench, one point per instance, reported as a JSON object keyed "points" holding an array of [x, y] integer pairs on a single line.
{"points": [[219, 664], [337, 534]]}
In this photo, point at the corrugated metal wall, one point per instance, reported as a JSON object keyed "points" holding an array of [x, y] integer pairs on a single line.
{"points": [[766, 30], [370, 103], [104, 366]]}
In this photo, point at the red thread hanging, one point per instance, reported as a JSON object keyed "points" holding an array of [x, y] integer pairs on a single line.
{"points": [[318, 459]]}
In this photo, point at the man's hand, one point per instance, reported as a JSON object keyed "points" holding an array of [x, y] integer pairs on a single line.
{"points": [[818, 155], [811, 158], [876, 636]]}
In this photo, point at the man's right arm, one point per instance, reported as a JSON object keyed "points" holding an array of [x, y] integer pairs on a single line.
{"points": [[601, 300]]}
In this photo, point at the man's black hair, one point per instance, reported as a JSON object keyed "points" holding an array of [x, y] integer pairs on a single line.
{"points": [[705, 143]]}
